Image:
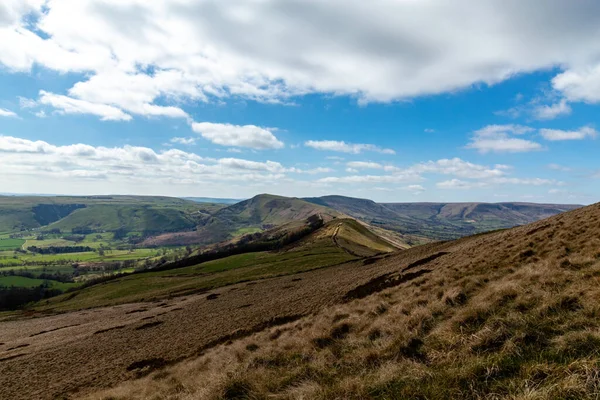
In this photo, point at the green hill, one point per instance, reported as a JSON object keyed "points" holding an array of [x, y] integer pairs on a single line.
{"points": [[102, 213]]}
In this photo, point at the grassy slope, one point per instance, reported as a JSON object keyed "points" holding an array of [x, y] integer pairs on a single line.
{"points": [[318, 250], [507, 315], [133, 218]]}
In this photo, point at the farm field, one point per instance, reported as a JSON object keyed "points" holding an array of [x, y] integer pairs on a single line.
{"points": [[7, 244]]}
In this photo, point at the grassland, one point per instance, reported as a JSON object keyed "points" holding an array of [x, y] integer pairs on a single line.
{"points": [[507, 315], [11, 244]]}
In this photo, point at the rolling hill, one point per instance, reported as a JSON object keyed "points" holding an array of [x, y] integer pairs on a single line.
{"points": [[101, 213], [508, 314], [423, 222], [504, 315]]}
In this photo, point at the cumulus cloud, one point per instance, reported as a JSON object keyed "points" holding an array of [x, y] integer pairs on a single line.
{"points": [[250, 136], [68, 105], [127, 164], [557, 134], [7, 113], [500, 139], [580, 84], [343, 147], [410, 48], [466, 175], [547, 112]]}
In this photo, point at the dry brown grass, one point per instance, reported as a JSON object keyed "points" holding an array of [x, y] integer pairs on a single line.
{"points": [[509, 315]]}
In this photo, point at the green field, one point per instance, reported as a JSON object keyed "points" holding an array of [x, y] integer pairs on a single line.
{"points": [[239, 268], [11, 244]]}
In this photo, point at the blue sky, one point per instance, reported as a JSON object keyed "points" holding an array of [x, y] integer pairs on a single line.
{"points": [[406, 100]]}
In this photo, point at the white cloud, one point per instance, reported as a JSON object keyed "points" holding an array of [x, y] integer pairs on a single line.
{"points": [[580, 134], [172, 50], [459, 184], [547, 112], [371, 179], [499, 139], [7, 113], [24, 102], [429, 130], [250, 136], [580, 84], [467, 175], [459, 168], [126, 166], [313, 171], [184, 141], [343, 147], [364, 165], [68, 105], [558, 167], [414, 189]]}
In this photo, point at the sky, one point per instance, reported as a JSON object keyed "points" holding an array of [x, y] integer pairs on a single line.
{"points": [[392, 100]]}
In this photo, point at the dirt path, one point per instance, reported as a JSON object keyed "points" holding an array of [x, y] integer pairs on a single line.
{"points": [[70, 354]]}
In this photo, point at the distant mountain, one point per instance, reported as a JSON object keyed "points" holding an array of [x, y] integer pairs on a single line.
{"points": [[441, 221]]}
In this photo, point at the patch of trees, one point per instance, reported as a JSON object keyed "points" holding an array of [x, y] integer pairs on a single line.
{"points": [[59, 249], [14, 298], [82, 230], [74, 238], [252, 243], [52, 276], [120, 234]]}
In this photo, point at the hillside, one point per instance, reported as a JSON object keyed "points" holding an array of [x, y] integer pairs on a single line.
{"points": [[261, 212], [334, 243], [101, 213], [504, 315], [423, 222]]}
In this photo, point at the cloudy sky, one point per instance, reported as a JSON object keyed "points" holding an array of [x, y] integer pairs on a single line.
{"points": [[394, 100]]}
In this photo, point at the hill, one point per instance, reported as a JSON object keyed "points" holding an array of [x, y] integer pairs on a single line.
{"points": [[259, 213], [101, 213], [423, 222], [335, 242], [504, 315]]}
